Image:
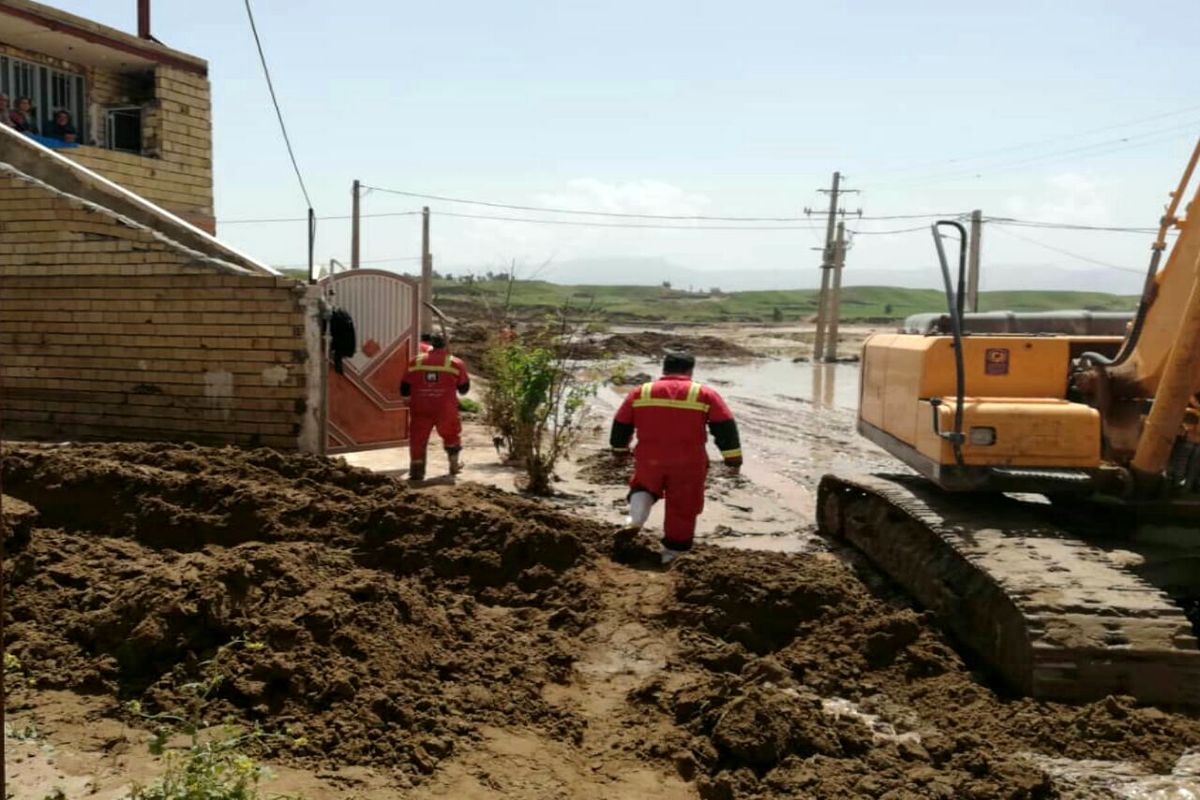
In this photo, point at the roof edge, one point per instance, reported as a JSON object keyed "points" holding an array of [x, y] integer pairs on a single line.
{"points": [[83, 28]]}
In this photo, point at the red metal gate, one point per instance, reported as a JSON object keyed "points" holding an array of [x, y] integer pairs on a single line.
{"points": [[363, 404]]}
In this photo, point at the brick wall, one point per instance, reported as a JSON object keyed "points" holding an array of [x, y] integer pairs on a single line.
{"points": [[175, 171], [175, 168], [110, 330]]}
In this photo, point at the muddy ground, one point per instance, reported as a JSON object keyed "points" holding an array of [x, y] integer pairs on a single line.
{"points": [[459, 641]]}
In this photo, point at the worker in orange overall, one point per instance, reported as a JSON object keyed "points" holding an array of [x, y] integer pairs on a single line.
{"points": [[669, 417], [433, 382]]}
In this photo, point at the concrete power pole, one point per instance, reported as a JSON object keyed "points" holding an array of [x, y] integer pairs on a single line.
{"points": [[426, 273], [835, 295], [829, 257], [826, 265], [973, 260], [354, 225]]}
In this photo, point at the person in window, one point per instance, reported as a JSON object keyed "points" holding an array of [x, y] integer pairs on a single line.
{"points": [[5, 111], [61, 128], [22, 118]]}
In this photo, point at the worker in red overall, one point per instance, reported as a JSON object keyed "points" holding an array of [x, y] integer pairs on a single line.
{"points": [[424, 346], [670, 417], [432, 383]]}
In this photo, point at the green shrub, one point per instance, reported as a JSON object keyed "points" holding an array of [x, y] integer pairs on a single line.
{"points": [[214, 765]]}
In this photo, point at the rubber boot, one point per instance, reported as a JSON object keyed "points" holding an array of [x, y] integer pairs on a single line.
{"points": [[668, 556], [640, 504], [416, 471], [456, 465]]}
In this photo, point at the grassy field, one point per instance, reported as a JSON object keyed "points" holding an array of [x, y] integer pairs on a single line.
{"points": [[658, 304]]}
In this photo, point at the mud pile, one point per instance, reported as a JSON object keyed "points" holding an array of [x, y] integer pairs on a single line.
{"points": [[815, 687], [655, 344], [392, 623]]}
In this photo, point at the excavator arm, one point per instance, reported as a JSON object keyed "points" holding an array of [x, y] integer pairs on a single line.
{"points": [[1159, 364]]}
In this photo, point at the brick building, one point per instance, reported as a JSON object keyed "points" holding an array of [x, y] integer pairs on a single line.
{"points": [[121, 316]]}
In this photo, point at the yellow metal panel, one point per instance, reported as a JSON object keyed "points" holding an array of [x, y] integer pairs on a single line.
{"points": [[1030, 432], [998, 366], [873, 378]]}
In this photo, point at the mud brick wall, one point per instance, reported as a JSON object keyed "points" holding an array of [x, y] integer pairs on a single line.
{"points": [[110, 331]]}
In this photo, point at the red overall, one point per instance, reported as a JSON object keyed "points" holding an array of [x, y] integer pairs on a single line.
{"points": [[432, 380], [670, 419]]}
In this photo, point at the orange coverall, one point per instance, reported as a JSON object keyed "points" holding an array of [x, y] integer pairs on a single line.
{"points": [[432, 382], [669, 418]]}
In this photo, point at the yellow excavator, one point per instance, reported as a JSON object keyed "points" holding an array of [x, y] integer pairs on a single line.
{"points": [[1051, 511]]}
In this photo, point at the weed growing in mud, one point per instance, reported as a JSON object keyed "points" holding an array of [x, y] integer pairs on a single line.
{"points": [[536, 402], [214, 765]]}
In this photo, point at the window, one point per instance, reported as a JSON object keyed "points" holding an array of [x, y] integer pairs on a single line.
{"points": [[123, 129], [49, 90]]}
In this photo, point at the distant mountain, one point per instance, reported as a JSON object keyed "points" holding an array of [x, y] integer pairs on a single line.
{"points": [[995, 277]]}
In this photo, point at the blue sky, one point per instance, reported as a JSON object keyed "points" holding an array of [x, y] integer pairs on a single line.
{"points": [[701, 107]]}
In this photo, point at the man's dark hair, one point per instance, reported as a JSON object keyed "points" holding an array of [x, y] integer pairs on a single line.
{"points": [[678, 363], [426, 337], [436, 342]]}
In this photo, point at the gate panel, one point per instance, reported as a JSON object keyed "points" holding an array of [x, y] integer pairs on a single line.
{"points": [[364, 406]]}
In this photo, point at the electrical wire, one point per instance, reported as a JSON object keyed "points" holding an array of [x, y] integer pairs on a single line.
{"points": [[1040, 142], [304, 219], [1066, 226], [620, 214], [1069, 254], [275, 100], [1095, 149], [890, 233], [577, 223]]}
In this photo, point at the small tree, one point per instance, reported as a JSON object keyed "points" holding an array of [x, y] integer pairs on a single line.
{"points": [[776, 314], [537, 400]]}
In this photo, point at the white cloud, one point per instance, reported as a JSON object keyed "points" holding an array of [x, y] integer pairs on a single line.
{"points": [[1068, 197], [493, 243]]}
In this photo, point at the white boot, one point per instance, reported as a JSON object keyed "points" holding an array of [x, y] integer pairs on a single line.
{"points": [[640, 504]]}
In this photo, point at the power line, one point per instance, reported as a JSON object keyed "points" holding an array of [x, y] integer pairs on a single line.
{"points": [[1040, 142], [275, 101], [1095, 149], [304, 219], [889, 233], [620, 214], [1066, 226], [577, 223], [1069, 254], [365, 261]]}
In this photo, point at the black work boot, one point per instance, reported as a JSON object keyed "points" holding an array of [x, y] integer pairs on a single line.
{"points": [[416, 471], [456, 465]]}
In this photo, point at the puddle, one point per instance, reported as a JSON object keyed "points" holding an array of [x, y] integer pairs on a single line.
{"points": [[1116, 780], [882, 730]]}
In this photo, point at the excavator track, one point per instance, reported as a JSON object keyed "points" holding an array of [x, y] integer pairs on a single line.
{"points": [[1057, 617]]}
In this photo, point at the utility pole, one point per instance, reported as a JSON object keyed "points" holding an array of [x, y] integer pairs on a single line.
{"points": [[426, 273], [973, 261], [828, 259], [835, 295], [354, 226]]}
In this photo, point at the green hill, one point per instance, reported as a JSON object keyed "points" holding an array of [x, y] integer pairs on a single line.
{"points": [[662, 304]]}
